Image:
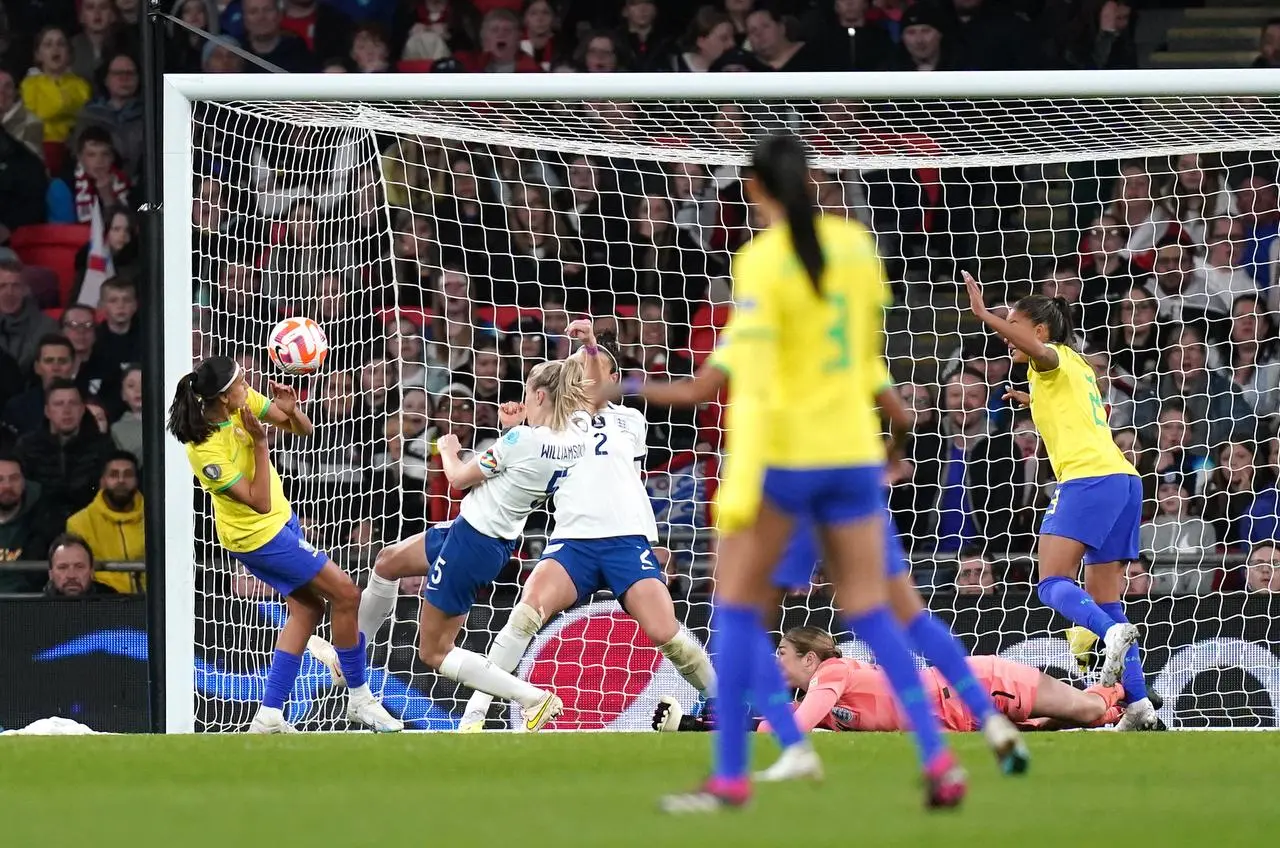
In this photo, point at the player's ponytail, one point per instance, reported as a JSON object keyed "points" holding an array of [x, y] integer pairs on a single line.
{"points": [[782, 167], [812, 640], [187, 419], [565, 383], [1053, 312]]}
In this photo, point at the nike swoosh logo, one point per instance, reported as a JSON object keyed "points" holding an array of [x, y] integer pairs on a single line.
{"points": [[532, 723]]}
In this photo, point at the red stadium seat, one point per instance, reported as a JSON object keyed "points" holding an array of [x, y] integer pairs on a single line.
{"points": [[52, 246]]}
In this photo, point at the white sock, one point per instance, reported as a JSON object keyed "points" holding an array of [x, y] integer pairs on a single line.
{"points": [[376, 603], [507, 649], [477, 672], [692, 662], [360, 693]]}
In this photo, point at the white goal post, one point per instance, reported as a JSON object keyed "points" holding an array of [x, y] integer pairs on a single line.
{"points": [[1030, 141]]}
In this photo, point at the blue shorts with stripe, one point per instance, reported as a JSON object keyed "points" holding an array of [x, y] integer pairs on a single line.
{"points": [[287, 562], [1103, 513], [616, 563], [465, 561], [800, 558]]}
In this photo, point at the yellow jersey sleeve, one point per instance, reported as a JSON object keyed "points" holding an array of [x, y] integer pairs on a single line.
{"points": [[214, 465], [258, 404]]}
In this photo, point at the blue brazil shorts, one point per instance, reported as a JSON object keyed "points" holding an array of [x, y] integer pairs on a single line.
{"points": [[1102, 512], [467, 561], [287, 562], [616, 564]]}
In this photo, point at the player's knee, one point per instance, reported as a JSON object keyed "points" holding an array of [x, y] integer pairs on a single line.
{"points": [[345, 599], [431, 653], [526, 620], [384, 565]]}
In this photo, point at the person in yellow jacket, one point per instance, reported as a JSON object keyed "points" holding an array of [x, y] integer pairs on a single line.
{"points": [[53, 93], [112, 522]]}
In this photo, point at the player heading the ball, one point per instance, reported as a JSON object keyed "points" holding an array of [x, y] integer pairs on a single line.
{"points": [[504, 485], [220, 420]]}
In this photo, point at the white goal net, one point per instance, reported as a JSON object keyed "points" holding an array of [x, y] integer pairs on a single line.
{"points": [[444, 244]]}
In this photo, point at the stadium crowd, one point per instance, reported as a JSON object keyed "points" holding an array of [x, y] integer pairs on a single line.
{"points": [[438, 310]]}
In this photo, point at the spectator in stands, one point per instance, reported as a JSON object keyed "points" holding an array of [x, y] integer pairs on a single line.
{"points": [[1269, 45], [267, 39], [541, 28], [1221, 262], [17, 119], [990, 37], [709, 36], [974, 575], [1135, 208], [53, 93], [66, 455], [55, 360], [848, 38], [540, 255], [468, 217], [304, 255], [486, 374], [126, 432], [924, 47], [77, 325], [1105, 271], [499, 47], [25, 528], [22, 185], [1137, 579], [1174, 529], [323, 29], [456, 22], [1259, 204], [456, 413], [1198, 194], [370, 51], [96, 39], [1216, 410], [112, 522], [1135, 345], [1262, 574], [217, 58], [1182, 293], [1135, 451], [72, 570], [117, 339], [772, 44], [95, 178], [645, 42], [1086, 36], [118, 110], [22, 324], [1232, 487], [601, 53], [968, 477], [1175, 450], [1252, 357], [117, 252], [665, 260], [184, 48]]}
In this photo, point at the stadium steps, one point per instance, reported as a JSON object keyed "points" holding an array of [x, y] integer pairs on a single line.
{"points": [[1221, 34]]}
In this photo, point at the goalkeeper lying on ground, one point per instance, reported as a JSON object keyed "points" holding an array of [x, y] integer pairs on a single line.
{"points": [[844, 694]]}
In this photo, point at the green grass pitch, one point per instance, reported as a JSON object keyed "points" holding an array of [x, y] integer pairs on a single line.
{"points": [[1084, 789]]}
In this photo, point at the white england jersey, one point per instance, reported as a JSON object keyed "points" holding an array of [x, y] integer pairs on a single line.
{"points": [[604, 497], [522, 469]]}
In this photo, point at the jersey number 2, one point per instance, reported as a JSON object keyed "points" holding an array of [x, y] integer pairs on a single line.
{"points": [[838, 332], [601, 438]]}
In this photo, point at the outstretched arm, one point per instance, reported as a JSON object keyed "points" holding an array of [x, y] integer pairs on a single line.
{"points": [[702, 387], [810, 712], [1043, 357], [285, 412], [461, 474], [593, 362]]}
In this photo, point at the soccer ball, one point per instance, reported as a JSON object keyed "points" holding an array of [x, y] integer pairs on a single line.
{"points": [[298, 346]]}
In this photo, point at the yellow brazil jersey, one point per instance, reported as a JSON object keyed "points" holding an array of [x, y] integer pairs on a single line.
{"points": [[806, 366], [222, 459], [1068, 411]]}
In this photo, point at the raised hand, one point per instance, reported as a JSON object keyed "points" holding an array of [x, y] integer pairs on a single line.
{"points": [[449, 444], [582, 330], [510, 414], [253, 427], [284, 397], [976, 303], [1020, 398]]}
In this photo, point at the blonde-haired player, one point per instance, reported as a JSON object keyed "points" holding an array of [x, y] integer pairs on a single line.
{"points": [[218, 417], [505, 484], [1097, 507]]}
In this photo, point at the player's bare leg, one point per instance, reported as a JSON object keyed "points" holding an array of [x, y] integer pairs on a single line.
{"points": [[1105, 582], [1071, 706], [305, 612], [407, 558], [649, 603], [1002, 735], [437, 632], [855, 552], [548, 592], [346, 655]]}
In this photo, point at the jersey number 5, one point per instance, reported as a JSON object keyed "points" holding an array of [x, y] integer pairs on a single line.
{"points": [[552, 485], [838, 333]]}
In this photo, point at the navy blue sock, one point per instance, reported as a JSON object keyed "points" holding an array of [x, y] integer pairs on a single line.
{"points": [[932, 639], [735, 642], [769, 692], [1135, 682], [886, 639], [1064, 596], [352, 662], [280, 678]]}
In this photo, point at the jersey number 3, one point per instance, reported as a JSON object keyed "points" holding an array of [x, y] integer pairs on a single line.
{"points": [[838, 333], [1095, 401]]}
